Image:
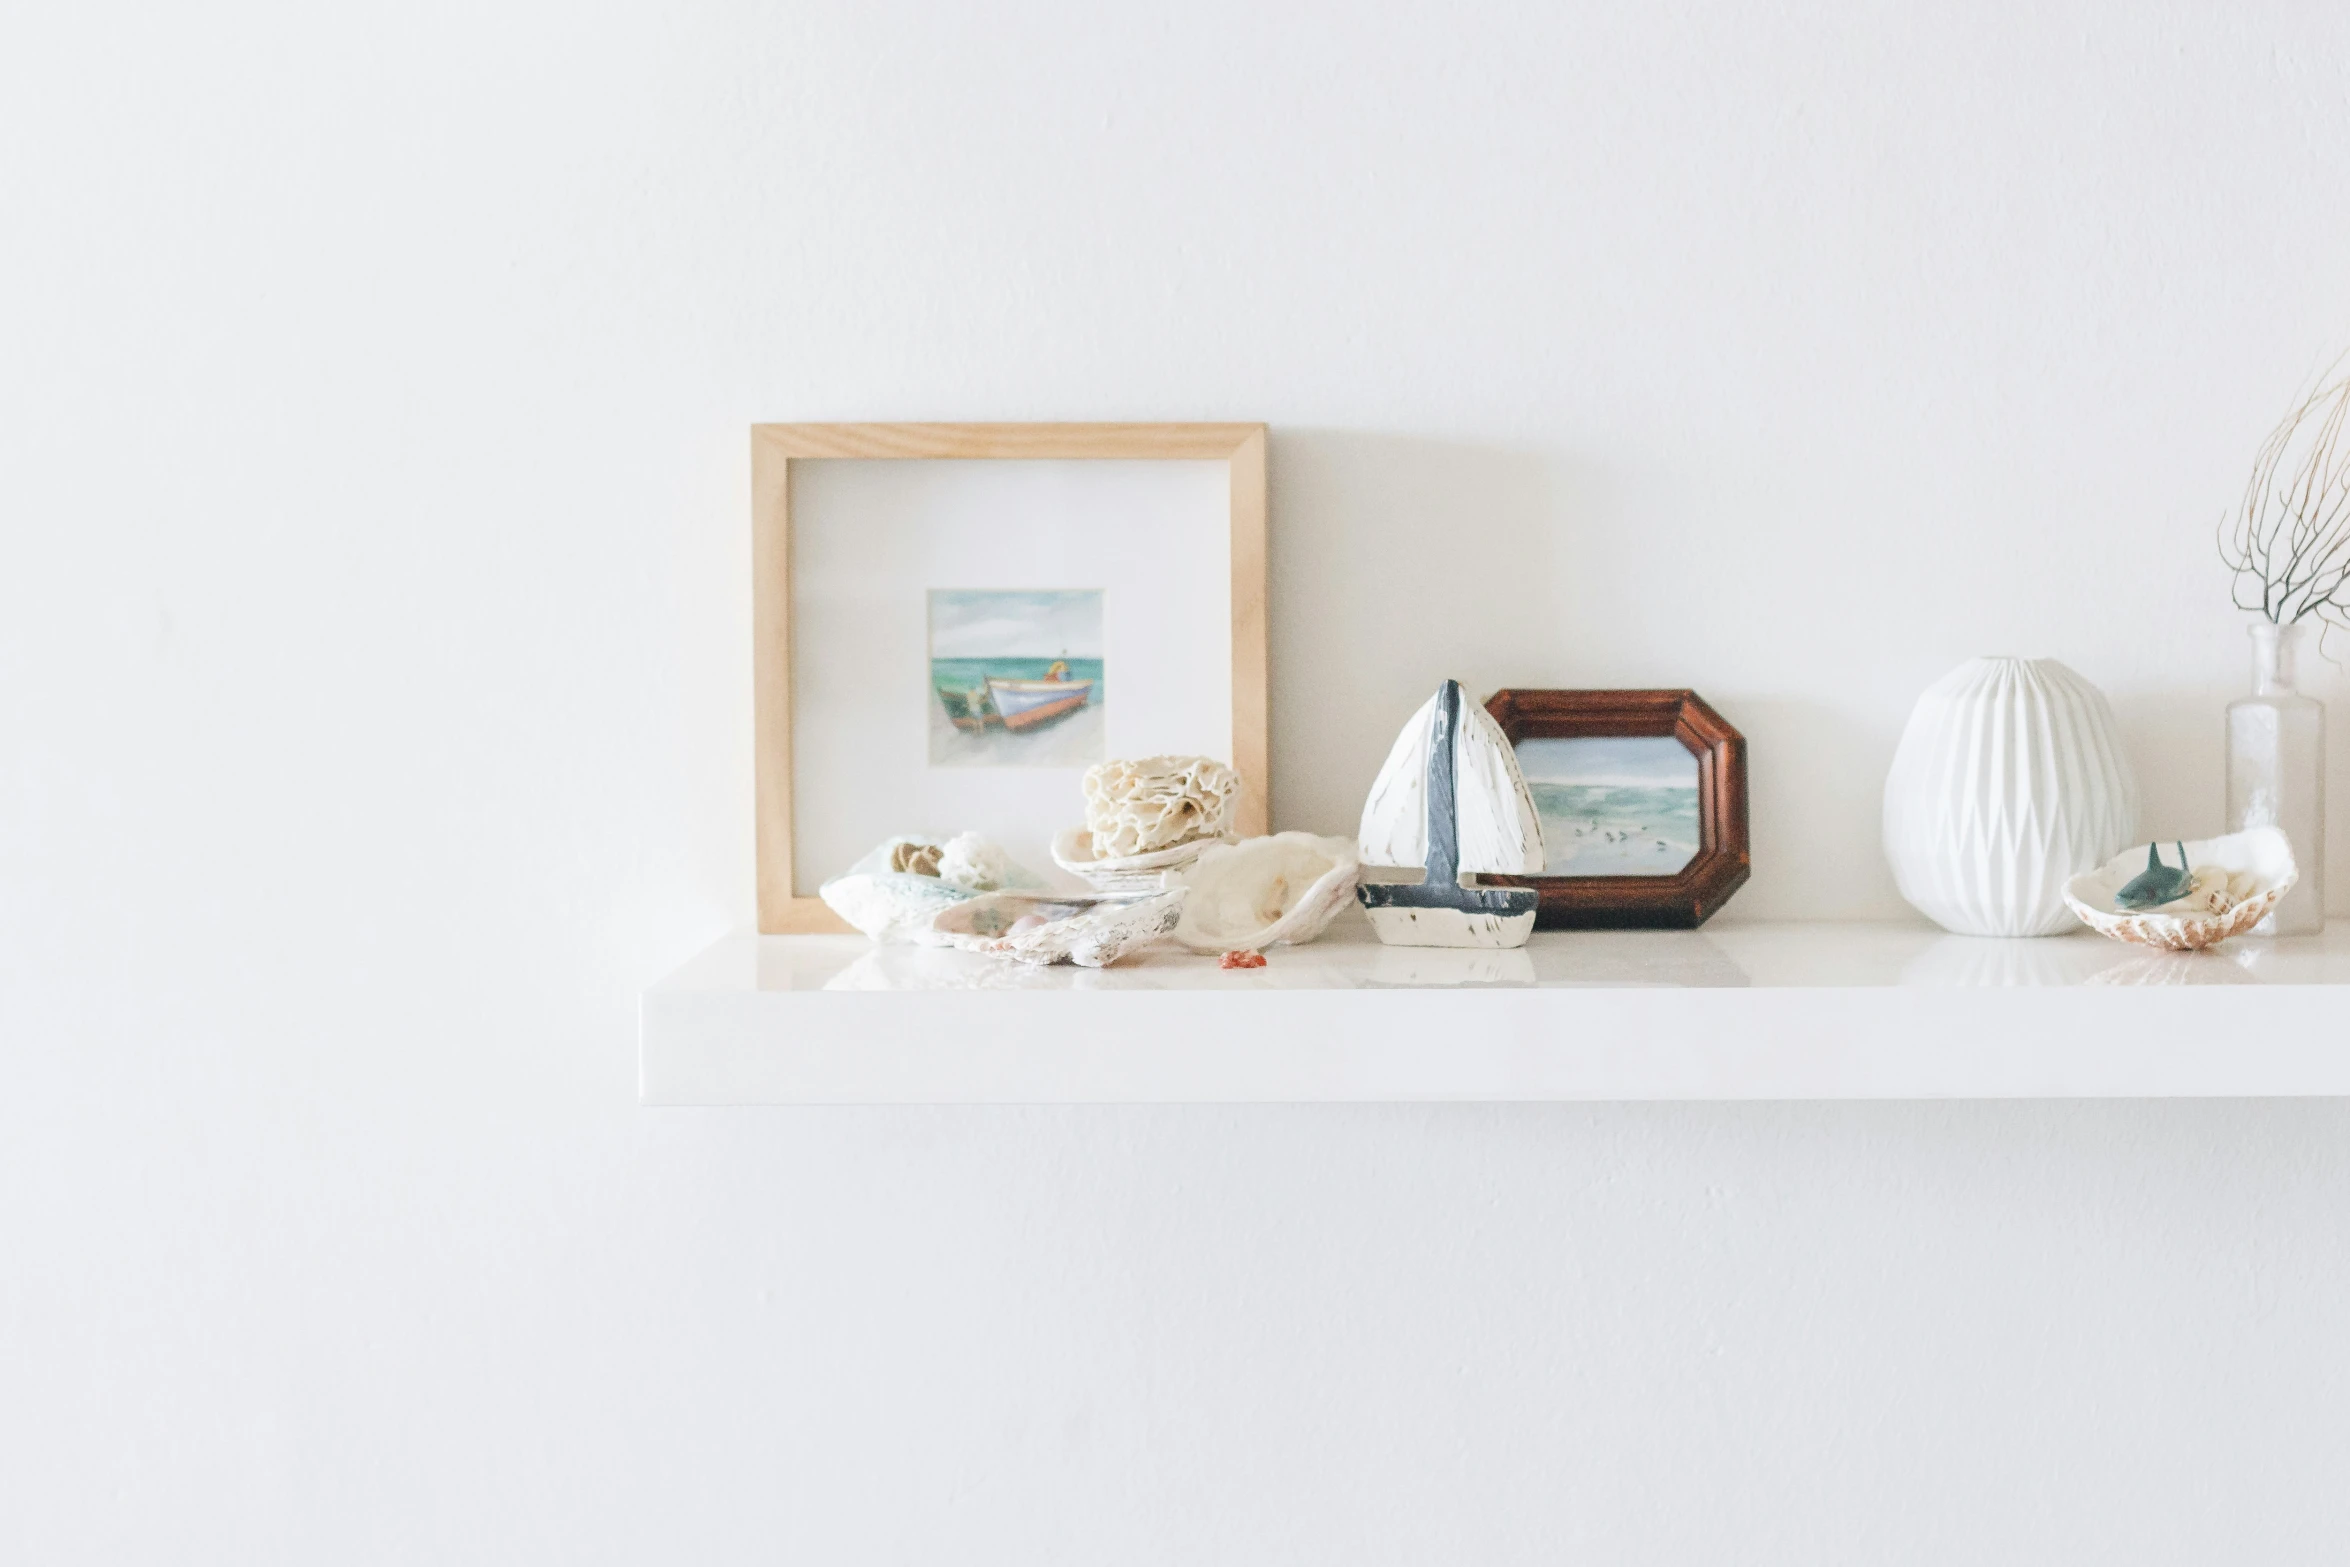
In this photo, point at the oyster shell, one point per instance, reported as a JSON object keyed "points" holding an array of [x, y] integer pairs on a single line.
{"points": [[1263, 891], [1156, 803], [2237, 882], [1089, 929]]}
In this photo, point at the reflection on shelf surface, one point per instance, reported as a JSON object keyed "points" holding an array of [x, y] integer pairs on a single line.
{"points": [[1775, 956]]}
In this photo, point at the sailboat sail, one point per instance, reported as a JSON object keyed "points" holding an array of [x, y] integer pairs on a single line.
{"points": [[1500, 833]]}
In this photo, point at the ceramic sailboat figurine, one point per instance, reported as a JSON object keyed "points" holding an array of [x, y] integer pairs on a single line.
{"points": [[1451, 799]]}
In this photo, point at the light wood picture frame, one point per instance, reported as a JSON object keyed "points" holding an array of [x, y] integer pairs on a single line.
{"points": [[776, 449]]}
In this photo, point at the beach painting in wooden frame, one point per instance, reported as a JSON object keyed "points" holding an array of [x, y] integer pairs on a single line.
{"points": [[1155, 532], [1016, 677], [1614, 805]]}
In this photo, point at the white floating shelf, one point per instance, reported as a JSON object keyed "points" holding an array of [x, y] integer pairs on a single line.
{"points": [[1728, 1012]]}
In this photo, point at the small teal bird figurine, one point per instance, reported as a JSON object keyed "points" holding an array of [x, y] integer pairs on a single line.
{"points": [[2157, 884]]}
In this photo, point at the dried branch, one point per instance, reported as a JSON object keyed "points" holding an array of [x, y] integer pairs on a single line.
{"points": [[2288, 543]]}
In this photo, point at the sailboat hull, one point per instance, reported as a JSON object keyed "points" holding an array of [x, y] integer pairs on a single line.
{"points": [[1414, 914]]}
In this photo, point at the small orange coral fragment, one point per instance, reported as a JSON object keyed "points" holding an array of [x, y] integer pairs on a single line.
{"points": [[1241, 960]]}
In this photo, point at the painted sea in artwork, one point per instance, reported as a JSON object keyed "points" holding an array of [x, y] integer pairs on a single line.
{"points": [[1016, 677], [1613, 806]]}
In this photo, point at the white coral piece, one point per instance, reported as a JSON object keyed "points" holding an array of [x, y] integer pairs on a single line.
{"points": [[1156, 803], [973, 864]]}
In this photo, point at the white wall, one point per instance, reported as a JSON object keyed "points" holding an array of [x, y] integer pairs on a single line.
{"points": [[374, 722]]}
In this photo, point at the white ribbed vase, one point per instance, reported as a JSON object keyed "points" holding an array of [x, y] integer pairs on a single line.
{"points": [[2009, 780]]}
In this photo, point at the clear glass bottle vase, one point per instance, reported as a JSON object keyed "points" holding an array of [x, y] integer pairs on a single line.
{"points": [[2276, 772]]}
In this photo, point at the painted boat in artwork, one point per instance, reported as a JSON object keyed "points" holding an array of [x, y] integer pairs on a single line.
{"points": [[1024, 704], [968, 710]]}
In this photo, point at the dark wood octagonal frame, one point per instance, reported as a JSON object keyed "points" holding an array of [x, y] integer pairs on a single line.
{"points": [[1722, 862]]}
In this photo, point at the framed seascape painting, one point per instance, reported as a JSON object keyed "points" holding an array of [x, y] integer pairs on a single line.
{"points": [[952, 622], [1018, 675], [1613, 805], [1642, 797]]}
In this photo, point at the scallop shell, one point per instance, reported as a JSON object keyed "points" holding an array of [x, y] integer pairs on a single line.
{"points": [[1157, 803], [1264, 891], [2238, 880], [1073, 852], [1091, 930]]}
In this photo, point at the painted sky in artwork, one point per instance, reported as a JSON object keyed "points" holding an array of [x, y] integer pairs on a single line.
{"points": [[1015, 623], [1629, 761]]}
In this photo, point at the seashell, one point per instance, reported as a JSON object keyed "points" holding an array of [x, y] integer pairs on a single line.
{"points": [[2236, 884], [913, 859], [1073, 852], [1137, 807], [1091, 930], [1257, 893], [894, 892]]}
